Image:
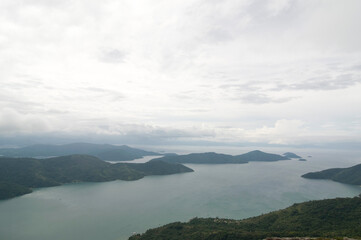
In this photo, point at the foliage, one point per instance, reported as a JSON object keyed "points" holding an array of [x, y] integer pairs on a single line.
{"points": [[325, 218], [8, 190], [33, 173]]}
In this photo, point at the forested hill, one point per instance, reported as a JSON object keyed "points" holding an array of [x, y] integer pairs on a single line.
{"points": [[106, 152], [324, 218], [351, 175], [217, 158], [19, 175]]}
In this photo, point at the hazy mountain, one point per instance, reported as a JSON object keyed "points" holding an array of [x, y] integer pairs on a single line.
{"points": [[257, 155], [217, 158], [291, 155], [325, 218], [102, 151], [19, 175], [351, 175]]}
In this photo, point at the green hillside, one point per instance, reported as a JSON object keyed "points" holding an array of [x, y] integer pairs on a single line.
{"points": [[324, 218], [351, 175], [19, 175]]}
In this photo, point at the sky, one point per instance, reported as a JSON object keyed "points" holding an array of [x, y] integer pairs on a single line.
{"points": [[273, 72]]}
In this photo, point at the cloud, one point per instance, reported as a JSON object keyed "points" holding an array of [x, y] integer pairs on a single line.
{"points": [[284, 132], [112, 56], [323, 83], [12, 122], [120, 68], [277, 6], [112, 95], [288, 132], [261, 98]]}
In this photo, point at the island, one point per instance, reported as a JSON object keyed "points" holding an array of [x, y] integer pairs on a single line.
{"points": [[218, 158], [19, 175], [351, 175], [105, 152], [330, 218], [291, 155]]}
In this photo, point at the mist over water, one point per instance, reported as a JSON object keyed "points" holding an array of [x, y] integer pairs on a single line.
{"points": [[115, 210]]}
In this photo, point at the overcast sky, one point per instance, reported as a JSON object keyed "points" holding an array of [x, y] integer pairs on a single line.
{"points": [[276, 72]]}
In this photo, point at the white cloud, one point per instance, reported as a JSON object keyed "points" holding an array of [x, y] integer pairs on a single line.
{"points": [[13, 122], [284, 132], [182, 65], [277, 6]]}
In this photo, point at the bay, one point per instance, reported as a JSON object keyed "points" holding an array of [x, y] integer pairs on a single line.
{"points": [[115, 210]]}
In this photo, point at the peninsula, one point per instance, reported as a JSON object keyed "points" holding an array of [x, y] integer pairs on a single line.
{"points": [[19, 175], [351, 175]]}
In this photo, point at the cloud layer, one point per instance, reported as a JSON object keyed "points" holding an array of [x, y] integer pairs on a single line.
{"points": [[285, 72]]}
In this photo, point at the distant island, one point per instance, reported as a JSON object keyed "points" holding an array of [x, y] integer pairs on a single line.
{"points": [[335, 218], [19, 175], [217, 158], [351, 175], [105, 152], [291, 155]]}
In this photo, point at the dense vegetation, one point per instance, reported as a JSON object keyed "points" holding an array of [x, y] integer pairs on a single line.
{"points": [[19, 175], [325, 218], [351, 175], [102, 151], [9, 190], [216, 158]]}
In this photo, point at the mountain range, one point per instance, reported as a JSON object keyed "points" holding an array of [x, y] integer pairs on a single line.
{"points": [[105, 152]]}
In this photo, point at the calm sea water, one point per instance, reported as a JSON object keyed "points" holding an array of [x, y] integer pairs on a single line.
{"points": [[115, 210]]}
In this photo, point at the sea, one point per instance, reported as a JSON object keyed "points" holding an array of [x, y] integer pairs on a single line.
{"points": [[118, 209]]}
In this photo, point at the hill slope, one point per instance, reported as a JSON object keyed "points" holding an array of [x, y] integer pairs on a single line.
{"points": [[325, 218], [217, 158], [102, 151], [351, 175], [19, 175]]}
